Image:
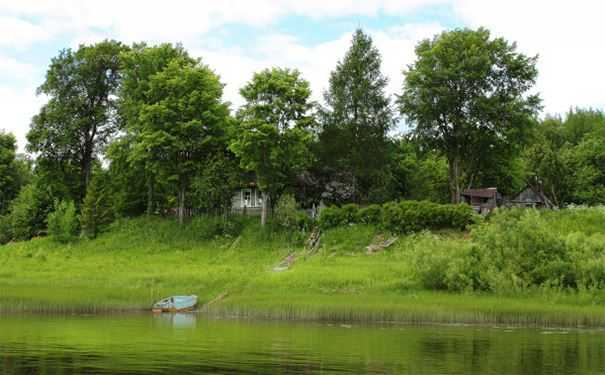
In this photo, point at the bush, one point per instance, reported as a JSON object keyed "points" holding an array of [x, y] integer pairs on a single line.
{"points": [[28, 213], [441, 265], [414, 216], [401, 217], [63, 222], [286, 215], [371, 214]]}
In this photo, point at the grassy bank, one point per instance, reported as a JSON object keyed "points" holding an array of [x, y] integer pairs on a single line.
{"points": [[141, 260]]}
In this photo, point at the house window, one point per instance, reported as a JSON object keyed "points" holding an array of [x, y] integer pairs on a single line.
{"points": [[247, 198]]}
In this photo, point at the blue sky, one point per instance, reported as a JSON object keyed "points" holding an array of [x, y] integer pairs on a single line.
{"points": [[238, 37]]}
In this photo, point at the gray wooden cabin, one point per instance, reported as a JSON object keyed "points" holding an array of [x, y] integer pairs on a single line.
{"points": [[531, 197], [247, 200], [482, 200]]}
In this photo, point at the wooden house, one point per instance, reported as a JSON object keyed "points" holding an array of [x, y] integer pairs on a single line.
{"points": [[482, 200], [247, 200], [531, 197]]}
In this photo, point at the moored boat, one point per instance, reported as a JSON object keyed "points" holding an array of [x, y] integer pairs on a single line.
{"points": [[175, 304]]}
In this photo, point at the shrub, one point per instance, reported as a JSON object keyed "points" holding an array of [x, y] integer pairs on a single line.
{"points": [[63, 222], [401, 217], [333, 216], [441, 265], [413, 216], [519, 249], [371, 214], [286, 215], [28, 213]]}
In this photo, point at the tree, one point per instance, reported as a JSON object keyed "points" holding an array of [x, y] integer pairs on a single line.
{"points": [[357, 117], [80, 116], [213, 186], [466, 95], [96, 210], [273, 136], [140, 64], [175, 117], [566, 158], [11, 173]]}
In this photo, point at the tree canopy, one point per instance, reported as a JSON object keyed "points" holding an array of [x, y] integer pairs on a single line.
{"points": [[80, 116], [469, 96], [357, 117], [273, 135]]}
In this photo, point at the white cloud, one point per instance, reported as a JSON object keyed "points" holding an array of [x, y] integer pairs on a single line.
{"points": [[567, 35], [13, 69], [236, 66], [16, 116]]}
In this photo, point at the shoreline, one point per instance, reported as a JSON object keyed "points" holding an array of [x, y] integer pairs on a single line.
{"points": [[430, 308]]}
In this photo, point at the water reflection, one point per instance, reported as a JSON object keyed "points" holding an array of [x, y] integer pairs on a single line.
{"points": [[187, 344]]}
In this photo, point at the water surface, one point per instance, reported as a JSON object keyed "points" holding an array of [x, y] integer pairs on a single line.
{"points": [[189, 344]]}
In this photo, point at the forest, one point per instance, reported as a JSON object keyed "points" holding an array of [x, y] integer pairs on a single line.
{"points": [[132, 130]]}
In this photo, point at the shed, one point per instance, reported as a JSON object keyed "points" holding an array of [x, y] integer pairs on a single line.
{"points": [[483, 200]]}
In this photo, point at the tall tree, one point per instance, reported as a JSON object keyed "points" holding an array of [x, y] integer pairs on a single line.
{"points": [[140, 64], [273, 137], [178, 118], [79, 118], [467, 94], [357, 117]]}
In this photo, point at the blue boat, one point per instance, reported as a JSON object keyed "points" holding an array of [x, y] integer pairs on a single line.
{"points": [[175, 304]]}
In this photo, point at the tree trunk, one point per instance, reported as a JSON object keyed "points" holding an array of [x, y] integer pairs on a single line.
{"points": [[149, 196], [181, 209], [454, 177], [263, 213]]}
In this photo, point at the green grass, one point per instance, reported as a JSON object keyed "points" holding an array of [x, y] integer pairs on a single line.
{"points": [[138, 261]]}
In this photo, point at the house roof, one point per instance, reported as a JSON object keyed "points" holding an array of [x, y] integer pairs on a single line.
{"points": [[481, 193]]}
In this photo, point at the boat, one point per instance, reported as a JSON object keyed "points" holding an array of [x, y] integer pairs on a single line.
{"points": [[175, 304]]}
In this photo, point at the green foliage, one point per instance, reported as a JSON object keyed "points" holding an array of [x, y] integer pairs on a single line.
{"points": [[286, 213], [273, 135], [213, 186], [517, 251], [28, 212], [441, 265], [63, 222], [418, 174], [15, 170], [414, 216], [331, 217], [79, 118], [357, 118], [5, 230], [483, 112], [401, 217], [567, 159], [96, 209], [371, 214], [176, 120]]}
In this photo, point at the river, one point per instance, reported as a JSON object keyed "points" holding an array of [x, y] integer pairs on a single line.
{"points": [[190, 344]]}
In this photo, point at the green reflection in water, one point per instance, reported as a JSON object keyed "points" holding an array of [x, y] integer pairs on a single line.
{"points": [[190, 344]]}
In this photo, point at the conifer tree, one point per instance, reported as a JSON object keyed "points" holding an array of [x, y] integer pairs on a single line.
{"points": [[357, 117]]}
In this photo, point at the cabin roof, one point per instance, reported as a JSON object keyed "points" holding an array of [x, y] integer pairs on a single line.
{"points": [[481, 193]]}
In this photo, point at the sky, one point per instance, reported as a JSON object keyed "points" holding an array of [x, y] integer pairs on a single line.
{"points": [[238, 37]]}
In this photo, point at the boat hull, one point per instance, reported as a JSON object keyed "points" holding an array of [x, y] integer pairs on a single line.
{"points": [[175, 304]]}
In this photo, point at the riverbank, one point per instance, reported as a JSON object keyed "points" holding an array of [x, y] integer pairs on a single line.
{"points": [[139, 261]]}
